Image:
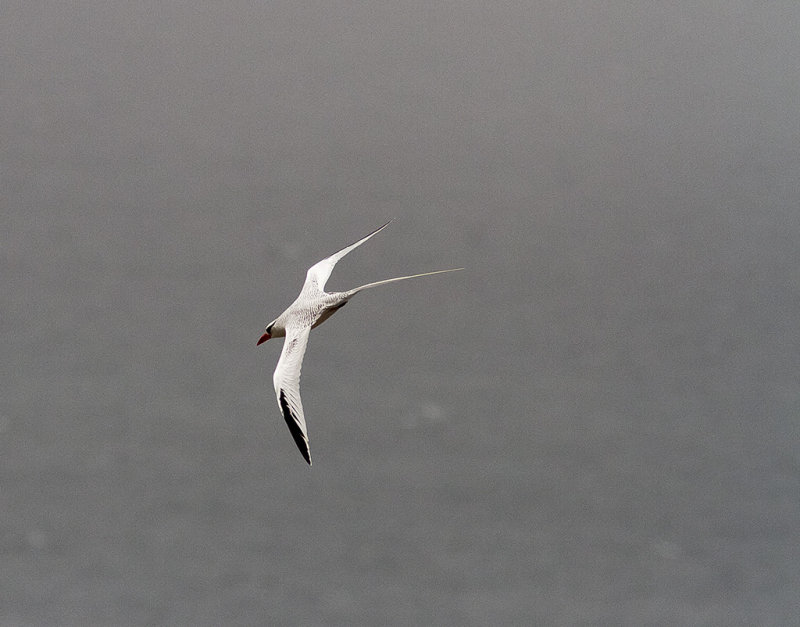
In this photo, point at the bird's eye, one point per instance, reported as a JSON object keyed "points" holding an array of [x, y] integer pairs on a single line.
{"points": [[269, 329]]}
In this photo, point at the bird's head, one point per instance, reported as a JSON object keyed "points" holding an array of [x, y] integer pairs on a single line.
{"points": [[274, 329], [267, 334]]}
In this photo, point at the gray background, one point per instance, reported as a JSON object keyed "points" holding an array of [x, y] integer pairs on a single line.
{"points": [[596, 423]]}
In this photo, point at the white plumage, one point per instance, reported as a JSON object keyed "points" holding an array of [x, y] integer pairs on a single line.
{"points": [[311, 308]]}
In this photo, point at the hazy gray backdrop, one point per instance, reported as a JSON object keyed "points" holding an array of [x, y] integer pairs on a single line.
{"points": [[595, 423]]}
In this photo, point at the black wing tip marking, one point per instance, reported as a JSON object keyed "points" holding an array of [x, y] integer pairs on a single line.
{"points": [[294, 428]]}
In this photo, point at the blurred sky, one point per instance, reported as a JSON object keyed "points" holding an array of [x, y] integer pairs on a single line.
{"points": [[595, 423]]}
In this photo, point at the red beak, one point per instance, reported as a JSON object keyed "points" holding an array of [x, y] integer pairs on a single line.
{"points": [[263, 339]]}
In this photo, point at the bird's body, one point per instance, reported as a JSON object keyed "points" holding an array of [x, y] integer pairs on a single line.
{"points": [[310, 309]]}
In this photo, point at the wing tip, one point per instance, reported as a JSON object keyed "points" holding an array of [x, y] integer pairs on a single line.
{"points": [[378, 230], [298, 435]]}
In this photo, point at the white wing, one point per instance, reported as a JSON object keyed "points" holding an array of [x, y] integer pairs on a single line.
{"points": [[317, 275], [286, 380]]}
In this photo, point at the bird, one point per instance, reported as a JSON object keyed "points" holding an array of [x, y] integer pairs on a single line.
{"points": [[311, 308]]}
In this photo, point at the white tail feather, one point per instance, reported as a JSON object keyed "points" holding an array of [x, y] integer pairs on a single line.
{"points": [[399, 278]]}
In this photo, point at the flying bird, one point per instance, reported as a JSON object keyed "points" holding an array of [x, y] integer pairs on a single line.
{"points": [[311, 308]]}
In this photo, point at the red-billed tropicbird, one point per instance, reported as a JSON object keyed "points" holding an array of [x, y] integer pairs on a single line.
{"points": [[311, 308]]}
